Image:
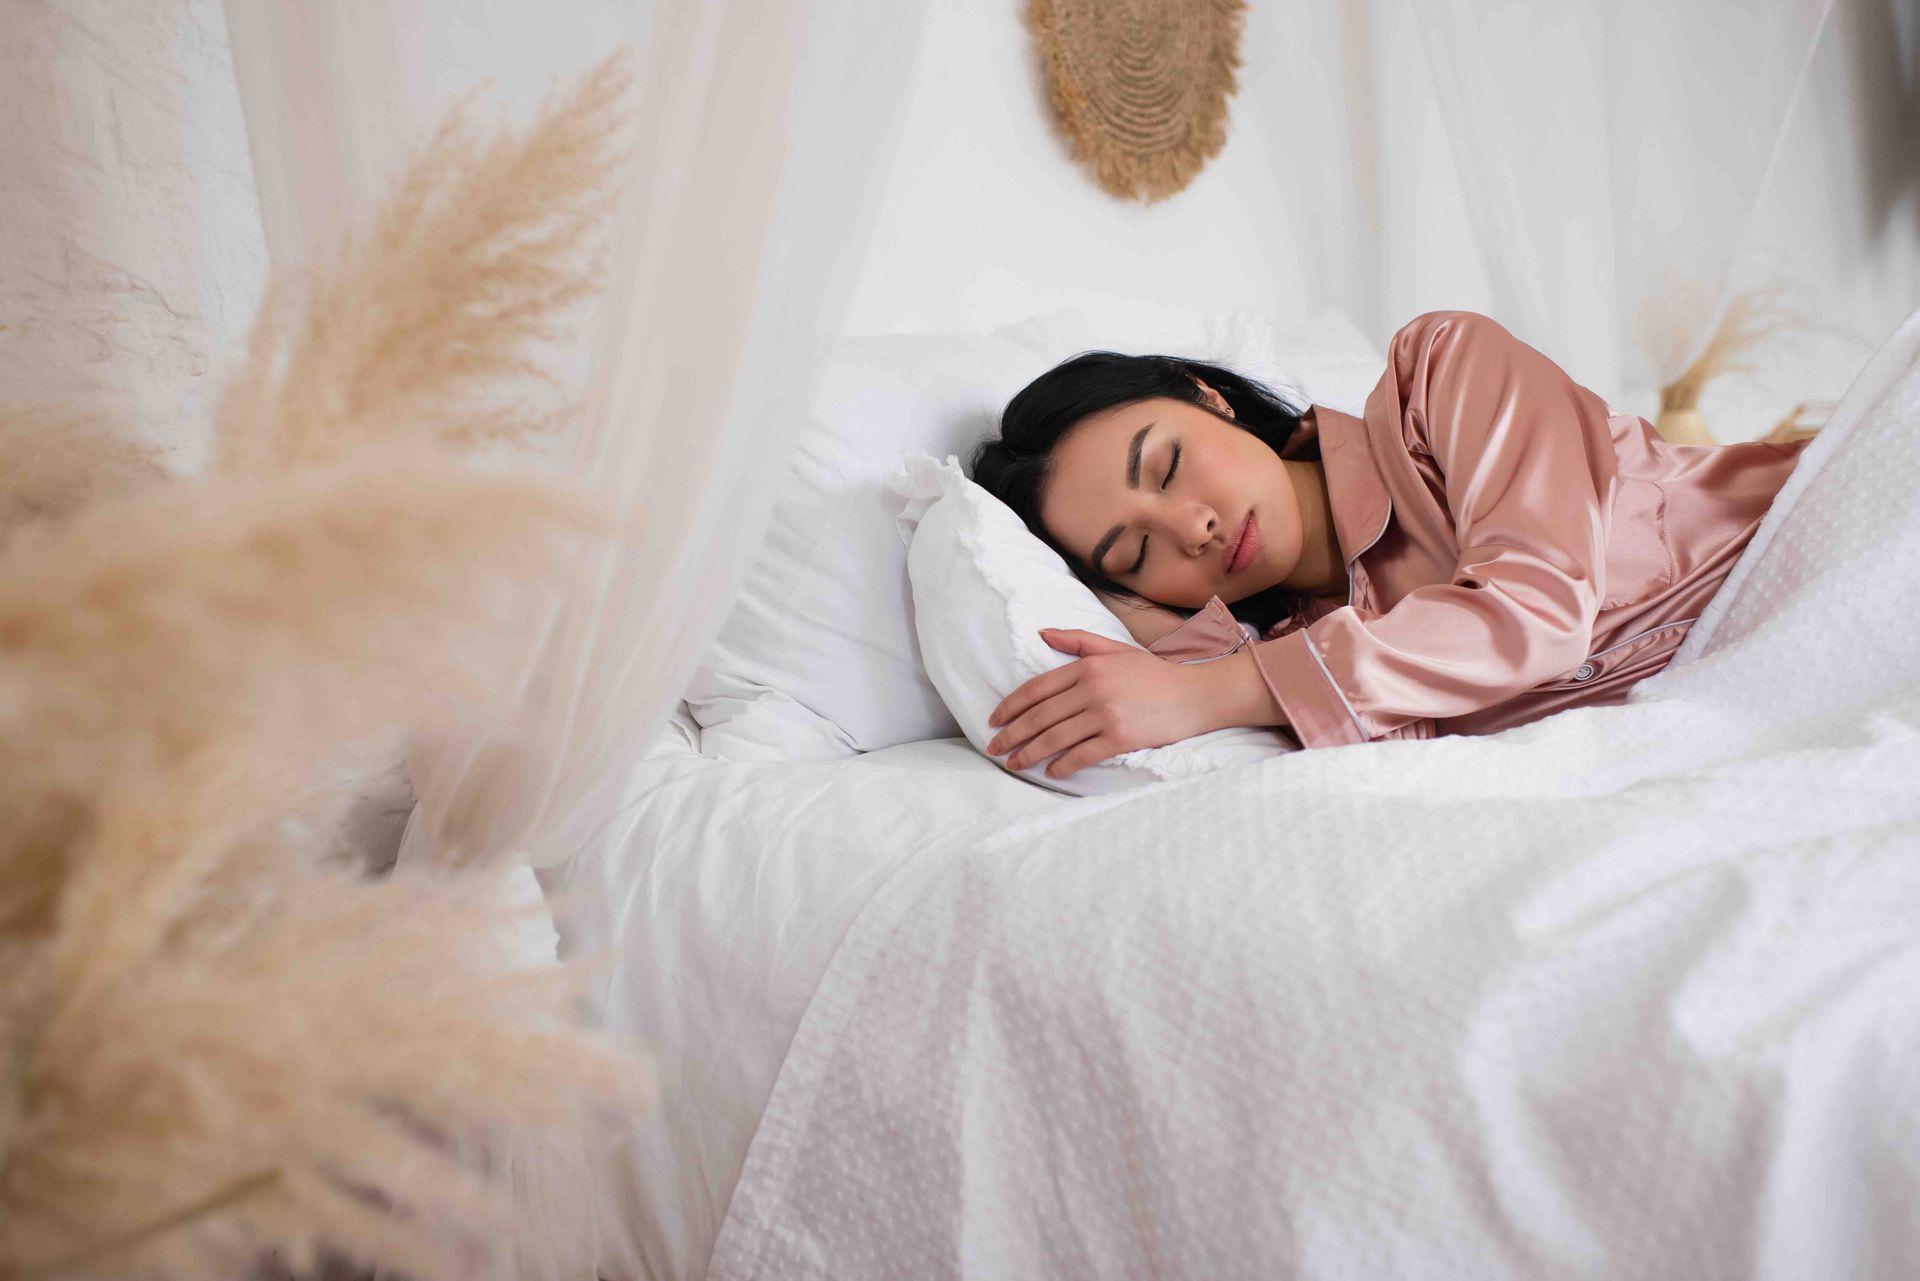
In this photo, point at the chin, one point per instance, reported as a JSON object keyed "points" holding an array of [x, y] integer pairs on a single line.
{"points": [[1245, 592]]}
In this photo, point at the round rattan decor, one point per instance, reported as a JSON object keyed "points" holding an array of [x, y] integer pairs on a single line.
{"points": [[1140, 87]]}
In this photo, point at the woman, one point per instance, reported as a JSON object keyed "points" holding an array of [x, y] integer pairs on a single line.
{"points": [[1488, 545]]}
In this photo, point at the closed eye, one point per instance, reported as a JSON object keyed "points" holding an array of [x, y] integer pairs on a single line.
{"points": [[1172, 467]]}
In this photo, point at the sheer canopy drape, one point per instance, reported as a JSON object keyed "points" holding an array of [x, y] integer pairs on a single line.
{"points": [[763, 130]]}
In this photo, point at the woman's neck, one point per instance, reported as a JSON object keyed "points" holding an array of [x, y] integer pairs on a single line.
{"points": [[1322, 569]]}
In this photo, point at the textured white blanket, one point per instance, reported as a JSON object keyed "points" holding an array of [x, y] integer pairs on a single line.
{"points": [[1626, 993]]}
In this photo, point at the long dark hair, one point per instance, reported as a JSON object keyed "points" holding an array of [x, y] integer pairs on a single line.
{"points": [[1015, 465]]}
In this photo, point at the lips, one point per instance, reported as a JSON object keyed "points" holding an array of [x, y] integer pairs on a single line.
{"points": [[1246, 541]]}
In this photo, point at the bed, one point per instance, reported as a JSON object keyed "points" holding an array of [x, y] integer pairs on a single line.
{"points": [[1622, 993]]}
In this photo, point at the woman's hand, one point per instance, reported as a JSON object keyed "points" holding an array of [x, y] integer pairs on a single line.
{"points": [[1114, 699]]}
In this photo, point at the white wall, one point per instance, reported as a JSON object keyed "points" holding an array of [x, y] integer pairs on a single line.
{"points": [[131, 256], [987, 212]]}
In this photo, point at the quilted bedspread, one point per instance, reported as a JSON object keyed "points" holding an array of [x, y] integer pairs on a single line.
{"points": [[1629, 992]]}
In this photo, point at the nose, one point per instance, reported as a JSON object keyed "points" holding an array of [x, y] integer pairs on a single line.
{"points": [[1193, 529]]}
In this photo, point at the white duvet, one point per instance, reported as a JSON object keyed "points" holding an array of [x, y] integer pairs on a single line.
{"points": [[710, 907], [1631, 992]]}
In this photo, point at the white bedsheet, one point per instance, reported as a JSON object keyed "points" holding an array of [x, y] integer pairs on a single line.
{"points": [[1625, 993], [714, 900]]}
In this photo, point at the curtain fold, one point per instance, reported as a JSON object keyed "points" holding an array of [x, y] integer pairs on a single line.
{"points": [[1611, 156], [764, 128]]}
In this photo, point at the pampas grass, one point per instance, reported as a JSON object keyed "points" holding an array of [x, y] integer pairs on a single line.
{"points": [[419, 325], [1752, 316], [217, 1042], [54, 461], [303, 1049], [296, 614]]}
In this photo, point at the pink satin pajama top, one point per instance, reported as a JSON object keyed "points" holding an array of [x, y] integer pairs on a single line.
{"points": [[1513, 546]]}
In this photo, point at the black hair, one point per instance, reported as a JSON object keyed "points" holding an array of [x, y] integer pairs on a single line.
{"points": [[1015, 466]]}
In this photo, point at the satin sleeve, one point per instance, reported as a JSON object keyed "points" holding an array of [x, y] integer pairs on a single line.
{"points": [[1528, 464], [1211, 633]]}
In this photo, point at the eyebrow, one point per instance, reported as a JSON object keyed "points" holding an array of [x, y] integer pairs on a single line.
{"points": [[1105, 545]]}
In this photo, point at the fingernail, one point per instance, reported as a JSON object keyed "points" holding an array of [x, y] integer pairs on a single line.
{"points": [[993, 748], [1013, 762]]}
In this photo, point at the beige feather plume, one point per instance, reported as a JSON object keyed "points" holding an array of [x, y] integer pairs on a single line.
{"points": [[214, 1042], [1752, 316], [193, 666], [317, 1051], [419, 326], [55, 460]]}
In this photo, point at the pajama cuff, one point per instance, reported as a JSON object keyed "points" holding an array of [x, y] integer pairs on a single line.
{"points": [[1315, 709]]}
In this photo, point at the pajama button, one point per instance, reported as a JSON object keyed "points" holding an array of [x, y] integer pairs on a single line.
{"points": [[1584, 672]]}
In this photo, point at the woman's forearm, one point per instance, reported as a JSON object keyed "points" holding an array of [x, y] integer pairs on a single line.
{"points": [[1236, 694]]}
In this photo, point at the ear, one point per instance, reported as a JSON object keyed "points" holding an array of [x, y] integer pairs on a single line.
{"points": [[1213, 399]]}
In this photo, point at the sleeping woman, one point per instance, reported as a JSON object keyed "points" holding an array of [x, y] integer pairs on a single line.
{"points": [[1490, 544]]}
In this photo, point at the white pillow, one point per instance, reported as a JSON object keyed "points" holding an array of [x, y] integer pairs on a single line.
{"points": [[1327, 356], [983, 587], [818, 657], [1326, 361]]}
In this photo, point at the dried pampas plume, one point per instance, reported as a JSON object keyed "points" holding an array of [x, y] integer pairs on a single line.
{"points": [[54, 461], [216, 1044], [1751, 317], [295, 614], [419, 327]]}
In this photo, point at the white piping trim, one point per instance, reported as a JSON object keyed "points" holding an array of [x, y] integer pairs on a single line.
{"points": [[1637, 635], [1214, 658], [1307, 638], [1308, 642]]}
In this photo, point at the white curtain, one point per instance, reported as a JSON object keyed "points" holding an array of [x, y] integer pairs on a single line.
{"points": [[764, 130], [1611, 155]]}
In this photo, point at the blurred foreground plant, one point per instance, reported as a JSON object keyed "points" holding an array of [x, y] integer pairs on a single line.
{"points": [[1751, 317], [217, 1041]]}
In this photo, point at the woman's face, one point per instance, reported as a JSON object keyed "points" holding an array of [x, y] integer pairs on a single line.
{"points": [[1110, 503]]}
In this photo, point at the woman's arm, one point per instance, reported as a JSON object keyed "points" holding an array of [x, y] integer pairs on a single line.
{"points": [[1234, 693], [1118, 699], [1238, 694], [1528, 463]]}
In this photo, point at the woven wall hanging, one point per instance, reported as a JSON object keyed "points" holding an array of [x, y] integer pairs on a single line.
{"points": [[1140, 87]]}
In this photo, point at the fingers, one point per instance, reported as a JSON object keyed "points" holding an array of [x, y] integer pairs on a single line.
{"points": [[1041, 687], [1072, 640], [1062, 736], [1037, 720], [1089, 751]]}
